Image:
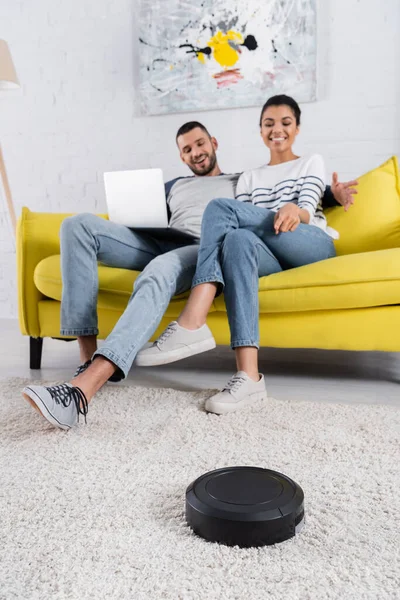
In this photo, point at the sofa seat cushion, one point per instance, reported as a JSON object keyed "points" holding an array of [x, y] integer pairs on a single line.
{"points": [[115, 285], [354, 281]]}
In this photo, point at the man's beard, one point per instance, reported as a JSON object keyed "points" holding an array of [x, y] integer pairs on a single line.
{"points": [[201, 172]]}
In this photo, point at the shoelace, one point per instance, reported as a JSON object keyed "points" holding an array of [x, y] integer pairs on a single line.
{"points": [[65, 394], [82, 368], [234, 383], [165, 334]]}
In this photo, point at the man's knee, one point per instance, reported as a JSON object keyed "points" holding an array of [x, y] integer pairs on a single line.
{"points": [[158, 273], [72, 226], [166, 275]]}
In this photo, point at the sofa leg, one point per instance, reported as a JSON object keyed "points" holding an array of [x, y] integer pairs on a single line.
{"points": [[35, 352]]}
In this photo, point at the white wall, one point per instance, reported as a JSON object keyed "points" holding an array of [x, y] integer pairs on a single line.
{"points": [[75, 116]]}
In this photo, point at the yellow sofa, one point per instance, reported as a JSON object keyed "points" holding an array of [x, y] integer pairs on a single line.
{"points": [[350, 302]]}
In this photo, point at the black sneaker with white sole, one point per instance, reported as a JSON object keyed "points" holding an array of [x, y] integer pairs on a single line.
{"points": [[60, 404]]}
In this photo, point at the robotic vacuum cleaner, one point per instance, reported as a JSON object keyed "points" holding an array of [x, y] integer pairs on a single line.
{"points": [[245, 506]]}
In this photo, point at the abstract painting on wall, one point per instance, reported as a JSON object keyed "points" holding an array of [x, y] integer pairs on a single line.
{"points": [[225, 53]]}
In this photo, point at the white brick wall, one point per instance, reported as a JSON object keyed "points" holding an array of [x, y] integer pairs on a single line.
{"points": [[76, 115]]}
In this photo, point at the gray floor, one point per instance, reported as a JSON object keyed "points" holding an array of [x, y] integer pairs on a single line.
{"points": [[323, 376]]}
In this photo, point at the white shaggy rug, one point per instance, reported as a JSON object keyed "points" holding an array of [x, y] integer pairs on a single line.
{"points": [[98, 512]]}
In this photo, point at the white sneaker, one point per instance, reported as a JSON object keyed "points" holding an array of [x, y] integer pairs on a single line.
{"points": [[240, 391], [60, 404], [176, 343]]}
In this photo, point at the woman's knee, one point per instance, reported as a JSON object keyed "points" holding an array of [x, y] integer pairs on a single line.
{"points": [[238, 241], [217, 205]]}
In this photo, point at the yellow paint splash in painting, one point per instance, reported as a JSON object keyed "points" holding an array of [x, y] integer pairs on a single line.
{"points": [[223, 53]]}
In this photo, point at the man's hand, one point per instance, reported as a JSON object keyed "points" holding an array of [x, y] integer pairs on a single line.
{"points": [[343, 192], [287, 218]]}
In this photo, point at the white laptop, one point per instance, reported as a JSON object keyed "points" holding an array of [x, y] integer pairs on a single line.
{"points": [[136, 199]]}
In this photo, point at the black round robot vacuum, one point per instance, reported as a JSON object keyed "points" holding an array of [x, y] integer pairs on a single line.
{"points": [[245, 506]]}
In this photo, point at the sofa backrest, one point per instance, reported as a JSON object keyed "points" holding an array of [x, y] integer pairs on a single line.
{"points": [[373, 222]]}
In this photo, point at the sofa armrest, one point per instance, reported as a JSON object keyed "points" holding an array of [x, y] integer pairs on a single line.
{"points": [[38, 236]]}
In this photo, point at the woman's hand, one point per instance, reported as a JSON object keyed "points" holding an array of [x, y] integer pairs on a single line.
{"points": [[287, 218], [344, 192]]}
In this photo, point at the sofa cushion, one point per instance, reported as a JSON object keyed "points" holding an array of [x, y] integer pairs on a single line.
{"points": [[353, 281], [373, 222], [115, 285]]}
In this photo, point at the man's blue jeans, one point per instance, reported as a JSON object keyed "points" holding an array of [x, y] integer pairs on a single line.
{"points": [[167, 269], [238, 245]]}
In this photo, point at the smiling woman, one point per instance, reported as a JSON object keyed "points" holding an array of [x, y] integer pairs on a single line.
{"points": [[289, 185], [280, 125]]}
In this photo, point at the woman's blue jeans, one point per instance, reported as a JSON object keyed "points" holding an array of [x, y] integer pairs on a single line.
{"points": [[238, 245]]}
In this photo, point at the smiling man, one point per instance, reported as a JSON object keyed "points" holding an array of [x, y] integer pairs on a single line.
{"points": [[167, 269], [198, 149]]}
